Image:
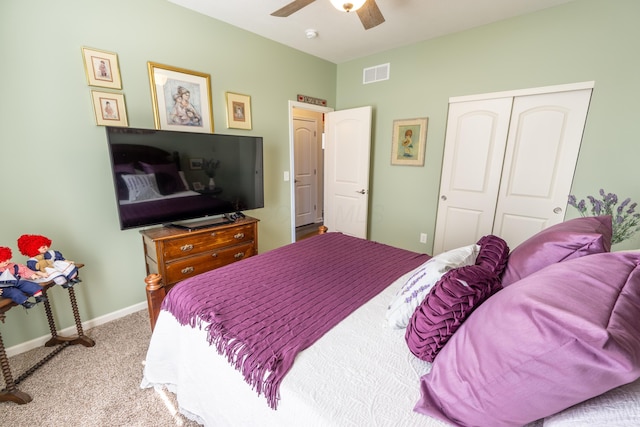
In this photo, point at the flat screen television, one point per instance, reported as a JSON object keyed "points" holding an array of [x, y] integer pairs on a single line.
{"points": [[168, 177]]}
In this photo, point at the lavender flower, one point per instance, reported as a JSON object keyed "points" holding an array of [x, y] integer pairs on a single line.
{"points": [[625, 222]]}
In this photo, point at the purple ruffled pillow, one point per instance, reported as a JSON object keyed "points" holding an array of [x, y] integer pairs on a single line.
{"points": [[561, 242], [493, 254], [448, 304], [556, 338], [453, 299]]}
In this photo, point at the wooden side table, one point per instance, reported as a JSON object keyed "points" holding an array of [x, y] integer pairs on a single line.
{"points": [[11, 392]]}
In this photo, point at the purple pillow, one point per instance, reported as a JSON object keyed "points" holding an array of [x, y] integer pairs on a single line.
{"points": [[560, 336], [561, 242], [493, 254], [167, 177], [446, 307], [454, 297]]}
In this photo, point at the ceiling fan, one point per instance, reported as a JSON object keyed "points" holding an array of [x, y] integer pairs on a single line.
{"points": [[369, 13]]}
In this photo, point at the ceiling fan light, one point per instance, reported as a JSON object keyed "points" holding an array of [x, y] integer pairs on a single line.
{"points": [[348, 6]]}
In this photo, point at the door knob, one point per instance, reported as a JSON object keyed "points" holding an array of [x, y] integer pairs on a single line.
{"points": [[362, 191], [557, 210], [443, 198]]}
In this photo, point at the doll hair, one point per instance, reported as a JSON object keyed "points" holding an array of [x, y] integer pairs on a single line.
{"points": [[5, 254], [28, 244]]}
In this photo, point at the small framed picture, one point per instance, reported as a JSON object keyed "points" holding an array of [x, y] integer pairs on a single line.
{"points": [[409, 141], [195, 164], [109, 108], [181, 99], [101, 68], [238, 111], [197, 186]]}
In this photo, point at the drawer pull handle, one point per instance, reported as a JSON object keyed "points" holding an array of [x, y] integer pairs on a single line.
{"points": [[213, 234], [187, 270], [186, 248], [239, 255], [215, 255], [239, 236]]}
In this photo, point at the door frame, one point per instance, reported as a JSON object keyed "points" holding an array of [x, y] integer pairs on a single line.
{"points": [[292, 190]]}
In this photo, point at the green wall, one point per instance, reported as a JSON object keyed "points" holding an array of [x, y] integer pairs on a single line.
{"points": [[585, 40], [55, 173]]}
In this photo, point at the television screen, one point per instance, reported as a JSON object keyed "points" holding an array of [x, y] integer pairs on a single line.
{"points": [[164, 177]]}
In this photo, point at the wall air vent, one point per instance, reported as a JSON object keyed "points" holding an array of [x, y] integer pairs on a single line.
{"points": [[375, 74]]}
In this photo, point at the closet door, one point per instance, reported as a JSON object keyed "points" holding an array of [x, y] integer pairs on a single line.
{"points": [[472, 166], [540, 159]]}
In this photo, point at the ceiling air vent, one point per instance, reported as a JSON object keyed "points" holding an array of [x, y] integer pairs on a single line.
{"points": [[375, 74]]}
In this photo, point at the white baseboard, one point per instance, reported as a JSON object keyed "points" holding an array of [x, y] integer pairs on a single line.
{"points": [[71, 330]]}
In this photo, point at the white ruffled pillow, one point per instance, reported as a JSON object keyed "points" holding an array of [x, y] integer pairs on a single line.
{"points": [[417, 283]]}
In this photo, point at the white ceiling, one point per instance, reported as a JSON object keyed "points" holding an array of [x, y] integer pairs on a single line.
{"points": [[341, 36]]}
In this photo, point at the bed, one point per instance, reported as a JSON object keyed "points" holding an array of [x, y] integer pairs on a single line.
{"points": [[481, 335]]}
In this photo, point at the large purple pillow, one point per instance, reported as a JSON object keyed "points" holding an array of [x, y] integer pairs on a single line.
{"points": [[560, 336], [561, 242], [454, 297]]}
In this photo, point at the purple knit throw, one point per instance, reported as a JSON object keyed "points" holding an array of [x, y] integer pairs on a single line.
{"points": [[266, 309]]}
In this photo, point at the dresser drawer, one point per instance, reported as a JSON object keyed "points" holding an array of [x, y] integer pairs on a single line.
{"points": [[208, 241], [190, 266]]}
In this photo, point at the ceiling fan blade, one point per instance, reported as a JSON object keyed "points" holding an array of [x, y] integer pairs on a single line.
{"points": [[370, 15], [292, 7]]}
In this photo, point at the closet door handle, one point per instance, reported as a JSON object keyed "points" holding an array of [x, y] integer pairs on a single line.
{"points": [[557, 210], [443, 198], [362, 191]]}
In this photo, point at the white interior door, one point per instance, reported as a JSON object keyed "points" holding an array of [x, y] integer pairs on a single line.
{"points": [[305, 174], [473, 154], [542, 149], [509, 163], [346, 162]]}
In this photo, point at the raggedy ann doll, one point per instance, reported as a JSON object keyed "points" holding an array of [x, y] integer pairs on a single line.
{"points": [[12, 284], [43, 258]]}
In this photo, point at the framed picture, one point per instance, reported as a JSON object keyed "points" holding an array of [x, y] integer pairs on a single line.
{"points": [[181, 99], [238, 111], [409, 141], [195, 164], [101, 68], [197, 186], [109, 108]]}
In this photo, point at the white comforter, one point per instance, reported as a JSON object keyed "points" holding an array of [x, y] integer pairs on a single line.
{"points": [[360, 373]]}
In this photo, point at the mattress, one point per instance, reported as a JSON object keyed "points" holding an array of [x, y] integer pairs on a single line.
{"points": [[359, 373]]}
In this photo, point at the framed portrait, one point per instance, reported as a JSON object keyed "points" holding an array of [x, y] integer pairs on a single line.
{"points": [[109, 108], [181, 99], [195, 164], [238, 111], [101, 68], [409, 141]]}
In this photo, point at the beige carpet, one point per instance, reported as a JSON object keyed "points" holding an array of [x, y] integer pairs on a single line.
{"points": [[93, 386]]}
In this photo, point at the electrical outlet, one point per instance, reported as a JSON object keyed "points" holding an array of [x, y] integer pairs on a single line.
{"points": [[423, 237]]}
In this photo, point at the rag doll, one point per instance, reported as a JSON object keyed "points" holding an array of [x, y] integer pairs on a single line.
{"points": [[43, 258], [12, 284]]}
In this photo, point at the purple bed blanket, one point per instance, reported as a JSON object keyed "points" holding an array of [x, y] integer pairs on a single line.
{"points": [[263, 311]]}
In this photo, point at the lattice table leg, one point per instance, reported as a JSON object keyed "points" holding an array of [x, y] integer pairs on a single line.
{"points": [[81, 338], [11, 392]]}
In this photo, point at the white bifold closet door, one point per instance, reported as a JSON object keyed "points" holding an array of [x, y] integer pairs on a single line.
{"points": [[508, 166]]}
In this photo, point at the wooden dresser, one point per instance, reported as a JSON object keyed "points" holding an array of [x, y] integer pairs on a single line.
{"points": [[176, 254]]}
